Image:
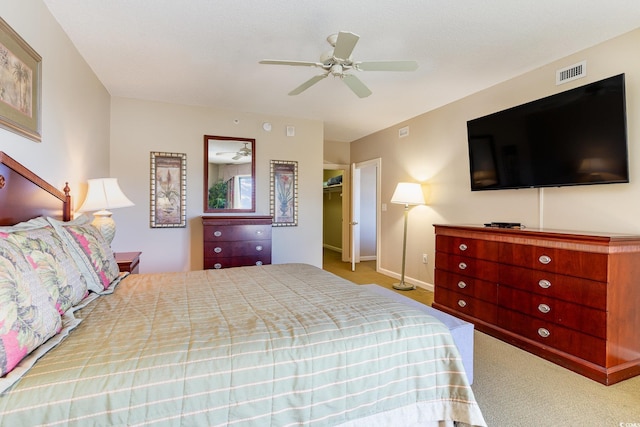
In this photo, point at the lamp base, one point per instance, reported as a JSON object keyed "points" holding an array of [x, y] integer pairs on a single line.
{"points": [[404, 286], [105, 224]]}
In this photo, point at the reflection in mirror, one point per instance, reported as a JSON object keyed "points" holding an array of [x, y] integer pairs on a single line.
{"points": [[229, 170]]}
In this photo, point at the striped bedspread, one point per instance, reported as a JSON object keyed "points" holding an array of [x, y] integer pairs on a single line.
{"points": [[277, 345]]}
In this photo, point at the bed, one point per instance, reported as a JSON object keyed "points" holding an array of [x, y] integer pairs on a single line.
{"points": [[278, 345]]}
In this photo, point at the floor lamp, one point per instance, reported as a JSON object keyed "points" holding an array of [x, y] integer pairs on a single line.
{"points": [[407, 193], [104, 194]]}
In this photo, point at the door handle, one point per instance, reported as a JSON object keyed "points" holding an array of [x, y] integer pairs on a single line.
{"points": [[354, 223]]}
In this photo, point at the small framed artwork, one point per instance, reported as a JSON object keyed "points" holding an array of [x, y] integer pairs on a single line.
{"points": [[284, 193], [20, 85], [168, 190]]}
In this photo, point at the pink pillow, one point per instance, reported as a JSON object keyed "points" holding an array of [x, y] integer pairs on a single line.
{"points": [[92, 253], [50, 257], [28, 315]]}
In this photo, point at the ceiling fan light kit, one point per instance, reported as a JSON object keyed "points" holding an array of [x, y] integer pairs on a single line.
{"points": [[237, 155], [338, 63]]}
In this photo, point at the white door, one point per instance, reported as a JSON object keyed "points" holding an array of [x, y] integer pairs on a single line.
{"points": [[365, 205], [355, 216]]}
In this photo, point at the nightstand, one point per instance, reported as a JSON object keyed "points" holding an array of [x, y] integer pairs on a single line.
{"points": [[128, 261]]}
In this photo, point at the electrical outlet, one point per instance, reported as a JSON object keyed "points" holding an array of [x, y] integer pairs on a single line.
{"points": [[424, 258]]}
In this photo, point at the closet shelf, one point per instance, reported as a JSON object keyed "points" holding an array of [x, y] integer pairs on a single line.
{"points": [[332, 188]]}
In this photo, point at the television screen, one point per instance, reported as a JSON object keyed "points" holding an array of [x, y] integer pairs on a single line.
{"points": [[577, 137]]}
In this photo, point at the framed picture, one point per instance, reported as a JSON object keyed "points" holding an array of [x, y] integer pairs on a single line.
{"points": [[168, 190], [284, 193], [20, 84]]}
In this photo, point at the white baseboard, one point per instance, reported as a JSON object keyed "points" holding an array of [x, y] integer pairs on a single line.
{"points": [[410, 280], [332, 248]]}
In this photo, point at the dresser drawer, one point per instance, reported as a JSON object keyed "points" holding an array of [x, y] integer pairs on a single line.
{"points": [[570, 263], [567, 288], [466, 304], [563, 313], [237, 248], [473, 248], [239, 261], [470, 267], [469, 286], [548, 334], [214, 233]]}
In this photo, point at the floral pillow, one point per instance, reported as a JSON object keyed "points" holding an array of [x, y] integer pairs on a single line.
{"points": [[92, 253], [50, 258], [28, 315]]}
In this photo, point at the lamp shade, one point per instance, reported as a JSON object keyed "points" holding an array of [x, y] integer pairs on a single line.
{"points": [[408, 193], [104, 194]]}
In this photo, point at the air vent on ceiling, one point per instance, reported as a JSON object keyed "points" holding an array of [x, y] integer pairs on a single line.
{"points": [[572, 72]]}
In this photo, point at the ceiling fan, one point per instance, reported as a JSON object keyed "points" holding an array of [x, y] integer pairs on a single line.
{"points": [[243, 152], [338, 63]]}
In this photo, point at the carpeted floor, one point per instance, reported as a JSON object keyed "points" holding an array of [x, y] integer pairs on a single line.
{"points": [[366, 273], [517, 389]]}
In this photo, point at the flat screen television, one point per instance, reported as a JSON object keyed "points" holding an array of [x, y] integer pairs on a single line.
{"points": [[576, 137]]}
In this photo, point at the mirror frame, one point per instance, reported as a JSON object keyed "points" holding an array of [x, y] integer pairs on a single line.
{"points": [[251, 141]]}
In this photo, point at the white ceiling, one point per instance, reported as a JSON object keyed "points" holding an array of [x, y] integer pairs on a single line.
{"points": [[206, 52]]}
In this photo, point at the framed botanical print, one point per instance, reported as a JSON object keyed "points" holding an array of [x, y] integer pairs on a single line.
{"points": [[168, 190], [284, 193], [20, 85]]}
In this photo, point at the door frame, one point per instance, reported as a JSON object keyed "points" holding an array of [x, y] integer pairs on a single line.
{"points": [[346, 208]]}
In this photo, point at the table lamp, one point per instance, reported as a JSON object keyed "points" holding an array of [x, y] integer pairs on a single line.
{"points": [[104, 194]]}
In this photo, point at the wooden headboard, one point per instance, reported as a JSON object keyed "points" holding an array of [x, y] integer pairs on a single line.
{"points": [[24, 195]]}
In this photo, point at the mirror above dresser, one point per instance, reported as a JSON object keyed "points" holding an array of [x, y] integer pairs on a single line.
{"points": [[229, 174]]}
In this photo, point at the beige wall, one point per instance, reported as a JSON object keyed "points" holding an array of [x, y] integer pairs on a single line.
{"points": [[75, 106], [336, 152], [435, 153], [140, 127]]}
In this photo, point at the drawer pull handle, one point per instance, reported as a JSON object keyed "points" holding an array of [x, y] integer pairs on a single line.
{"points": [[462, 266], [462, 303], [463, 247], [259, 232], [217, 249], [258, 262], [544, 308], [217, 233], [462, 285], [544, 333], [259, 248], [217, 266], [544, 259], [543, 283]]}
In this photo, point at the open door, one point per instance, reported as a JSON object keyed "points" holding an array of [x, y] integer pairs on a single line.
{"points": [[355, 216], [365, 212]]}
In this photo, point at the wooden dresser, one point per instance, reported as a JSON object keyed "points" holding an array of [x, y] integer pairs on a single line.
{"points": [[235, 241], [572, 298]]}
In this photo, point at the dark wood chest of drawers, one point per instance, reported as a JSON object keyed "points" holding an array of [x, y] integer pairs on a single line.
{"points": [[235, 241], [569, 297]]}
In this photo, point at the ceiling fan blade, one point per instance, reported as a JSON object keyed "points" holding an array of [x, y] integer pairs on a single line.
{"points": [[238, 156], [344, 44], [356, 85], [306, 85], [387, 66], [294, 63]]}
